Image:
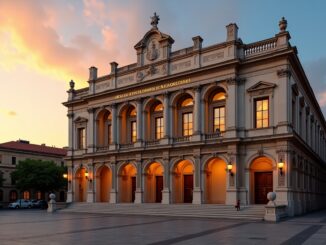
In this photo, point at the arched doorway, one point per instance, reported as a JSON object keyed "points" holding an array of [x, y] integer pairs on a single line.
{"points": [[103, 184], [261, 180], [81, 185], [127, 183], [182, 180], [153, 182], [215, 181]]}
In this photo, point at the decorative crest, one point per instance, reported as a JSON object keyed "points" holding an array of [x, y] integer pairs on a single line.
{"points": [[155, 19]]}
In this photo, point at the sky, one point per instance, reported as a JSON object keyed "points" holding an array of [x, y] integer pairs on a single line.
{"points": [[45, 44]]}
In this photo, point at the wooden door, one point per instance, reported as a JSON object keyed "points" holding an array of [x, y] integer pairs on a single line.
{"points": [[133, 188], [188, 188], [263, 185], [159, 188]]}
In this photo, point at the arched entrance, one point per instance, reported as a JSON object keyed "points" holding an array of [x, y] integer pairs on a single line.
{"points": [[261, 180], [80, 185], [127, 183], [103, 184], [215, 181], [153, 182], [182, 181]]}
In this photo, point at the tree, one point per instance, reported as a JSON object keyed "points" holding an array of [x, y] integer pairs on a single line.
{"points": [[39, 175]]}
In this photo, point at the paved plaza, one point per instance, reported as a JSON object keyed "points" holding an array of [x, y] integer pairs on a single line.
{"points": [[39, 227]]}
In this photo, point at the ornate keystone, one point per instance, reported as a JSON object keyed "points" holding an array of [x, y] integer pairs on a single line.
{"points": [[283, 24]]}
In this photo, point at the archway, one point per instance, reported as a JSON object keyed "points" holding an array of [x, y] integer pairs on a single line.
{"points": [[153, 183], [80, 185], [215, 181], [127, 183], [261, 180], [103, 184], [182, 181]]}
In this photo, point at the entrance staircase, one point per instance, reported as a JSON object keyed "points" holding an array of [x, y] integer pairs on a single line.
{"points": [[253, 212]]}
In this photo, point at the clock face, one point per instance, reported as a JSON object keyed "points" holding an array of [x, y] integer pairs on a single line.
{"points": [[153, 51]]}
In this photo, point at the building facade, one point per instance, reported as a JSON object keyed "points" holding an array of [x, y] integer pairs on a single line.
{"points": [[14, 151], [215, 124]]}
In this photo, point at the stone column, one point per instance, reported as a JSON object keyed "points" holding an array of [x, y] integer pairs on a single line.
{"points": [[90, 131], [166, 183], [197, 192], [70, 116], [113, 127], [231, 108], [90, 184], [231, 178], [113, 193], [139, 187], [284, 99], [118, 129], [197, 115], [70, 184], [166, 119]]}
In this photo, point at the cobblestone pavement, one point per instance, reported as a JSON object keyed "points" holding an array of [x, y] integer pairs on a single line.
{"points": [[39, 227]]}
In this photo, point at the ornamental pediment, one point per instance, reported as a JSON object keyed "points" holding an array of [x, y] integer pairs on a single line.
{"points": [[261, 86], [80, 120], [154, 46]]}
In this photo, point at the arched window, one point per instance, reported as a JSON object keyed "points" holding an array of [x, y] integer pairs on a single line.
{"points": [[185, 113], [132, 123], [217, 112], [157, 118], [104, 137], [13, 195]]}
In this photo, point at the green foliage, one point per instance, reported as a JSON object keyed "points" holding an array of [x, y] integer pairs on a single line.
{"points": [[39, 175]]}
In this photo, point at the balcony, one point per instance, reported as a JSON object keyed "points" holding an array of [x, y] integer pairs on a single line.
{"points": [[213, 136], [126, 146], [102, 148], [151, 142], [181, 139]]}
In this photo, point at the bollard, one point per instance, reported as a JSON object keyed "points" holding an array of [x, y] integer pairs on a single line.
{"points": [[52, 204]]}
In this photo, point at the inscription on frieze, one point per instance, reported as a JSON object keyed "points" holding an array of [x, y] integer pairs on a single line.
{"points": [[212, 57], [103, 86], [181, 65], [125, 80]]}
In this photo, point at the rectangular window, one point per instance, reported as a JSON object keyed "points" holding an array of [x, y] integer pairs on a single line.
{"points": [[81, 138], [262, 113], [159, 128], [13, 160], [219, 119], [187, 124], [109, 134], [0, 158], [133, 131]]}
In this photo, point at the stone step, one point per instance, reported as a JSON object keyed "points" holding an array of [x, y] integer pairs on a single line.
{"points": [[253, 212]]}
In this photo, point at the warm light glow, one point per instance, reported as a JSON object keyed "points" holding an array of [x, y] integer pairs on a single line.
{"points": [[159, 107], [65, 176], [280, 165], [219, 96], [187, 102], [86, 174], [230, 166]]}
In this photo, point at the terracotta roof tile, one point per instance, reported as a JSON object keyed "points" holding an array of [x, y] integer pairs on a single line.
{"points": [[43, 149]]}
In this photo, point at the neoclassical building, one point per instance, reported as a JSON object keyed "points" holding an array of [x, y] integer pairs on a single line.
{"points": [[216, 124]]}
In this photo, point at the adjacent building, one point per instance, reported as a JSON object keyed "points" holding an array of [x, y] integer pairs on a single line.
{"points": [[14, 151], [217, 124]]}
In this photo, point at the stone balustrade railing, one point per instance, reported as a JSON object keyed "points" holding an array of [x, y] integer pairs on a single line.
{"points": [[151, 142], [260, 47], [181, 139], [213, 136]]}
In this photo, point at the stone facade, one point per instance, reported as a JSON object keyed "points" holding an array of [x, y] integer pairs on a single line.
{"points": [[167, 128]]}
